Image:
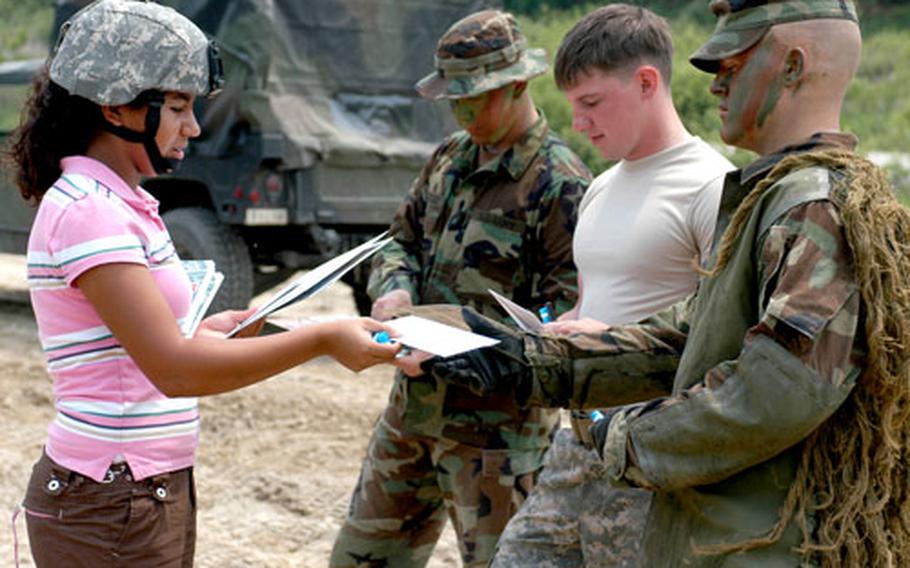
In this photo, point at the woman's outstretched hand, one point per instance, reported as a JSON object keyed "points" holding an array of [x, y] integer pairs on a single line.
{"points": [[351, 342]]}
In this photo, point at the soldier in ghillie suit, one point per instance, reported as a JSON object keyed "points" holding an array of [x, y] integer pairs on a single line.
{"points": [[769, 412], [494, 208]]}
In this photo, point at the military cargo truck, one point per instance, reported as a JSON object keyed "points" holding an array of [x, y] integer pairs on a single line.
{"points": [[311, 145]]}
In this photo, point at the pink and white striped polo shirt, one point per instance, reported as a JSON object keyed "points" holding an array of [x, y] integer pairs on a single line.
{"points": [[106, 407]]}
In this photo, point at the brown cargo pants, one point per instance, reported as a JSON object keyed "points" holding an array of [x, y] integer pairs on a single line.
{"points": [[74, 521]]}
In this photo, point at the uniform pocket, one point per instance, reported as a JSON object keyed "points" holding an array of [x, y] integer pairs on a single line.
{"points": [[492, 254], [432, 216]]}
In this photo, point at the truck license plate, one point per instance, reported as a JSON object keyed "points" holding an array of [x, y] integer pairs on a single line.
{"points": [[266, 216]]}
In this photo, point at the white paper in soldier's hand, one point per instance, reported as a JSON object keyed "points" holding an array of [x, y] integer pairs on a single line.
{"points": [[525, 319], [436, 338]]}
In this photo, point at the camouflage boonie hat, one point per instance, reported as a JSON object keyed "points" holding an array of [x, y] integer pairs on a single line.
{"points": [[112, 50], [479, 53], [741, 23]]}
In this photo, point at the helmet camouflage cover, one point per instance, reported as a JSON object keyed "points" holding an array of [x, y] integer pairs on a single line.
{"points": [[741, 23], [479, 53], [112, 50]]}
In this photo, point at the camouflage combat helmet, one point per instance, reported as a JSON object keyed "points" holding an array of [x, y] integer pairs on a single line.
{"points": [[479, 53], [741, 23], [112, 50]]}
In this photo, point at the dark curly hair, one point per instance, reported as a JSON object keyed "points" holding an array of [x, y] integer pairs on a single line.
{"points": [[54, 125]]}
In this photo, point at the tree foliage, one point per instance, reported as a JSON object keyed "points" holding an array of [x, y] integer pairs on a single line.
{"points": [[695, 104], [24, 28], [877, 108]]}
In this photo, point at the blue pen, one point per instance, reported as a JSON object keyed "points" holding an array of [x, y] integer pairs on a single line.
{"points": [[546, 313], [383, 337]]}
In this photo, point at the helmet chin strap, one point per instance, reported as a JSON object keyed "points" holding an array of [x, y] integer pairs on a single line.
{"points": [[161, 164]]}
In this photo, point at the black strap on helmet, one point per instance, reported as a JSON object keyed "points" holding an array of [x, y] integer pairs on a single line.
{"points": [[154, 101], [216, 69]]}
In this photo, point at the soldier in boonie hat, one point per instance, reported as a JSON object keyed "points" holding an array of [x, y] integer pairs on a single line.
{"points": [[479, 53], [494, 208], [741, 23]]}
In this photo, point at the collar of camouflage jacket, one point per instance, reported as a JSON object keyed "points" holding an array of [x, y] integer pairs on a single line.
{"points": [[820, 140], [519, 156]]}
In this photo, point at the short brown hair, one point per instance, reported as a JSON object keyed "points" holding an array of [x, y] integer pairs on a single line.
{"points": [[612, 38]]}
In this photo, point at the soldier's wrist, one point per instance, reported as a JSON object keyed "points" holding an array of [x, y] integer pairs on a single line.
{"points": [[393, 285], [550, 374]]}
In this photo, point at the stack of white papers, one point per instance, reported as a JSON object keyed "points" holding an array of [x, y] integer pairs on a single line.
{"points": [[205, 281], [316, 279]]}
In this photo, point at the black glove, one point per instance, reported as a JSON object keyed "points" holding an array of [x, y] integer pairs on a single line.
{"points": [[500, 368]]}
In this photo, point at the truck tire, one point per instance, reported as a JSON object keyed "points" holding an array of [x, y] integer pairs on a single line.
{"points": [[197, 234]]}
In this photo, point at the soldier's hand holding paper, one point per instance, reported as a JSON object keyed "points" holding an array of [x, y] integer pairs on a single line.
{"points": [[496, 368]]}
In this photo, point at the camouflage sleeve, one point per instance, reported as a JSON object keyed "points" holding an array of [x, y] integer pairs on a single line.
{"points": [[796, 368], [398, 266], [553, 274], [623, 365]]}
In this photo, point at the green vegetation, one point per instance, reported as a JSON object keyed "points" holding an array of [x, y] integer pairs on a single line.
{"points": [[876, 15], [24, 32], [11, 100], [690, 86], [877, 108], [25, 28]]}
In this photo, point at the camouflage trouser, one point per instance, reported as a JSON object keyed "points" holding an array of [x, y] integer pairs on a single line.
{"points": [[574, 516], [407, 486]]}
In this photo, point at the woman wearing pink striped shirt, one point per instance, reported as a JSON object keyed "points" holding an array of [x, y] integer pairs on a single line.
{"points": [[114, 486]]}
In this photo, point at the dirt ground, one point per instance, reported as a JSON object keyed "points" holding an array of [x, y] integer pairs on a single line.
{"points": [[276, 464]]}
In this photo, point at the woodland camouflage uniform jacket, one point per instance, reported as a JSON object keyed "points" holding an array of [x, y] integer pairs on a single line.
{"points": [[736, 376], [462, 230]]}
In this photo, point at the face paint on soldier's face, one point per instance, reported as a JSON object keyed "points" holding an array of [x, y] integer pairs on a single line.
{"points": [[487, 117], [467, 109], [749, 85]]}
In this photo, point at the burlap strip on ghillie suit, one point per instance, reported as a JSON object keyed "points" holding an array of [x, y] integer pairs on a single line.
{"points": [[853, 474]]}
